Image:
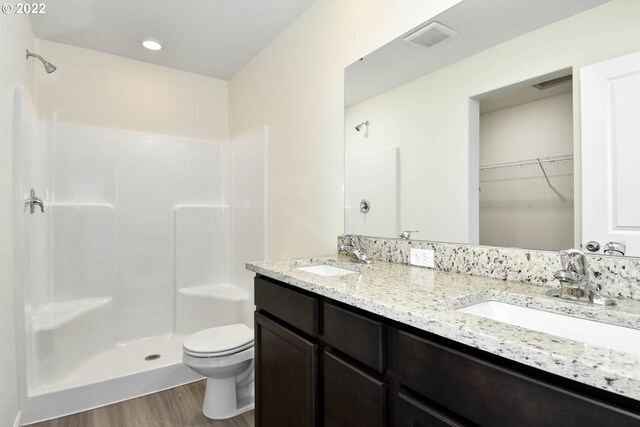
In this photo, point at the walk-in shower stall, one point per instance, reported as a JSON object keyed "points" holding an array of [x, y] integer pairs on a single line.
{"points": [[141, 240]]}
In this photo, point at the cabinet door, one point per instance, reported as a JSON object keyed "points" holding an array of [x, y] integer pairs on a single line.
{"points": [[286, 373], [351, 397]]}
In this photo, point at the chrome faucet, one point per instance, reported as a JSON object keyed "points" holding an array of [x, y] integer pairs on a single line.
{"points": [[574, 280], [354, 248], [406, 235], [33, 201]]}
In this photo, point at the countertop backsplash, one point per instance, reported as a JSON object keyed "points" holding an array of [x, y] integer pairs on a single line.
{"points": [[618, 277]]}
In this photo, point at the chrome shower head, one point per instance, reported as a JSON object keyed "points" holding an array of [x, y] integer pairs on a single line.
{"points": [[359, 127], [48, 66]]}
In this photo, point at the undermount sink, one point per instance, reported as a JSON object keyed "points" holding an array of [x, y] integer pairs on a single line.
{"points": [[587, 331], [326, 270]]}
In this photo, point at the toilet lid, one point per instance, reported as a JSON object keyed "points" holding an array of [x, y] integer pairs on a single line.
{"points": [[223, 339]]}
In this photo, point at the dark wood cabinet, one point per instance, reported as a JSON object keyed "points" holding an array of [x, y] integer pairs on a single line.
{"points": [[286, 376], [320, 362], [351, 396], [292, 307], [492, 395], [357, 336], [294, 385], [412, 413]]}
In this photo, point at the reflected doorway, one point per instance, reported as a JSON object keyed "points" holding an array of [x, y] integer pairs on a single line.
{"points": [[526, 164]]}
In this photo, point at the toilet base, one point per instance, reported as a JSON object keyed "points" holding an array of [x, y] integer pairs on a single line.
{"points": [[224, 399]]}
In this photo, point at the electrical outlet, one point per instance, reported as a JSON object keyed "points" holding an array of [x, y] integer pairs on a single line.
{"points": [[422, 257]]}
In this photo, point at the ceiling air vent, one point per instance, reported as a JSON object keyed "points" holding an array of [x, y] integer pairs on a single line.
{"points": [[430, 35], [553, 82]]}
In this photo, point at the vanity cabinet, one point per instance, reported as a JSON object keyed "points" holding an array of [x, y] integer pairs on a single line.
{"points": [[316, 363], [286, 376], [359, 337], [492, 395], [412, 413], [351, 394], [286, 356], [323, 363]]}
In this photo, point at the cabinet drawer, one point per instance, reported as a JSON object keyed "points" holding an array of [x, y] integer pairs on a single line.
{"points": [[294, 308], [351, 397], [489, 395], [411, 413], [357, 336]]}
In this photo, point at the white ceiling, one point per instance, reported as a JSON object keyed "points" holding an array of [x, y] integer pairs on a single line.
{"points": [[215, 38], [480, 24]]}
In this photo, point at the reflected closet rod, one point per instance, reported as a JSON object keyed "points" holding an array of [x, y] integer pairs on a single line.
{"points": [[539, 160]]}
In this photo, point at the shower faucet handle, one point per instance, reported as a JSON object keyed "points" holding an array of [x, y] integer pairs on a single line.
{"points": [[33, 201]]}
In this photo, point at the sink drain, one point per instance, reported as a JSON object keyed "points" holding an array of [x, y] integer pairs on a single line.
{"points": [[152, 357]]}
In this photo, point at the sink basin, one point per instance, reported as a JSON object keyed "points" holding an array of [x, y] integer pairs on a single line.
{"points": [[326, 270], [587, 331]]}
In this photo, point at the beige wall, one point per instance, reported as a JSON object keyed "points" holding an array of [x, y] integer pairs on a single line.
{"points": [[91, 88], [295, 85], [435, 110], [15, 36]]}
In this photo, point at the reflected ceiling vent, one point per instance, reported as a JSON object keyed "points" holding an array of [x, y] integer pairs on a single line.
{"points": [[553, 82], [430, 35]]}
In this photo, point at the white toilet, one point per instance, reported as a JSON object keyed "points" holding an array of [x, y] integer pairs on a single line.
{"points": [[225, 356]]}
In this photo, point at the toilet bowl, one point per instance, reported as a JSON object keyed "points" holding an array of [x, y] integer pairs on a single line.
{"points": [[225, 356]]}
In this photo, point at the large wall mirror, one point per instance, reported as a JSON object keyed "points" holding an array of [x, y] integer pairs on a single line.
{"points": [[491, 124]]}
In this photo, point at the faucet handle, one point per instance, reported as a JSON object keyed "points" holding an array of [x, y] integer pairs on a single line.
{"points": [[354, 241], [615, 248], [33, 201], [573, 260], [406, 235]]}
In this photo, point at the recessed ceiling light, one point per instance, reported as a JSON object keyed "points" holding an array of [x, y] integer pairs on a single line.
{"points": [[152, 44]]}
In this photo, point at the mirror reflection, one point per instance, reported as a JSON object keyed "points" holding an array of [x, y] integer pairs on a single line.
{"points": [[479, 138], [526, 165]]}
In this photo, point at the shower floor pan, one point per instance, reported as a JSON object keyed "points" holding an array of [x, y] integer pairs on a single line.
{"points": [[116, 374]]}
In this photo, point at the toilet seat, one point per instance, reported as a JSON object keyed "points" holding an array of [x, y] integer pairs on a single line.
{"points": [[219, 341], [218, 353]]}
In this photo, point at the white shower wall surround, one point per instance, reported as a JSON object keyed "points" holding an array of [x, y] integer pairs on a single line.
{"points": [[142, 241], [136, 183]]}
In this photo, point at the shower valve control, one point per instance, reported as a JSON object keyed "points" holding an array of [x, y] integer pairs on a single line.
{"points": [[365, 206], [33, 201]]}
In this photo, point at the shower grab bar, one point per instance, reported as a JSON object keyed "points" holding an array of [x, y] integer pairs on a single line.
{"points": [[33, 201]]}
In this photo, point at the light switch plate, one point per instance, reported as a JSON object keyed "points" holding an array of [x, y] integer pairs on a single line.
{"points": [[422, 257]]}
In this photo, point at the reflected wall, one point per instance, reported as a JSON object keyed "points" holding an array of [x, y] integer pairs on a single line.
{"points": [[433, 119]]}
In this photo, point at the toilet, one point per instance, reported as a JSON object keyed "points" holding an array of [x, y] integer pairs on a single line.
{"points": [[225, 356]]}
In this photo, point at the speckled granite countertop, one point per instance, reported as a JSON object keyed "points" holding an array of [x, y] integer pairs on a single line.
{"points": [[427, 299]]}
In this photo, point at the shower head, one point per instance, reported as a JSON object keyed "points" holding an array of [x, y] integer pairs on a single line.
{"points": [[48, 66], [359, 127]]}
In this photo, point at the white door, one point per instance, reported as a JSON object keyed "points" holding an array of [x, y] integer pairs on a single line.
{"points": [[610, 93]]}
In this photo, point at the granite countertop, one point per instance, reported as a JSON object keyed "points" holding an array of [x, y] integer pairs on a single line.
{"points": [[427, 299]]}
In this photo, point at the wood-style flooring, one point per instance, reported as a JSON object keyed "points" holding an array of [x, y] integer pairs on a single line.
{"points": [[177, 407]]}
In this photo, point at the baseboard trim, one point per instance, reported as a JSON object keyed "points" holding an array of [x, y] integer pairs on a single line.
{"points": [[18, 421]]}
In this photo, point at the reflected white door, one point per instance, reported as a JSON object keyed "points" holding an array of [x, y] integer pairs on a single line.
{"points": [[610, 93]]}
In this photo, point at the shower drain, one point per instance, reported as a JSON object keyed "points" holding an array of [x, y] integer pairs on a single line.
{"points": [[152, 357]]}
